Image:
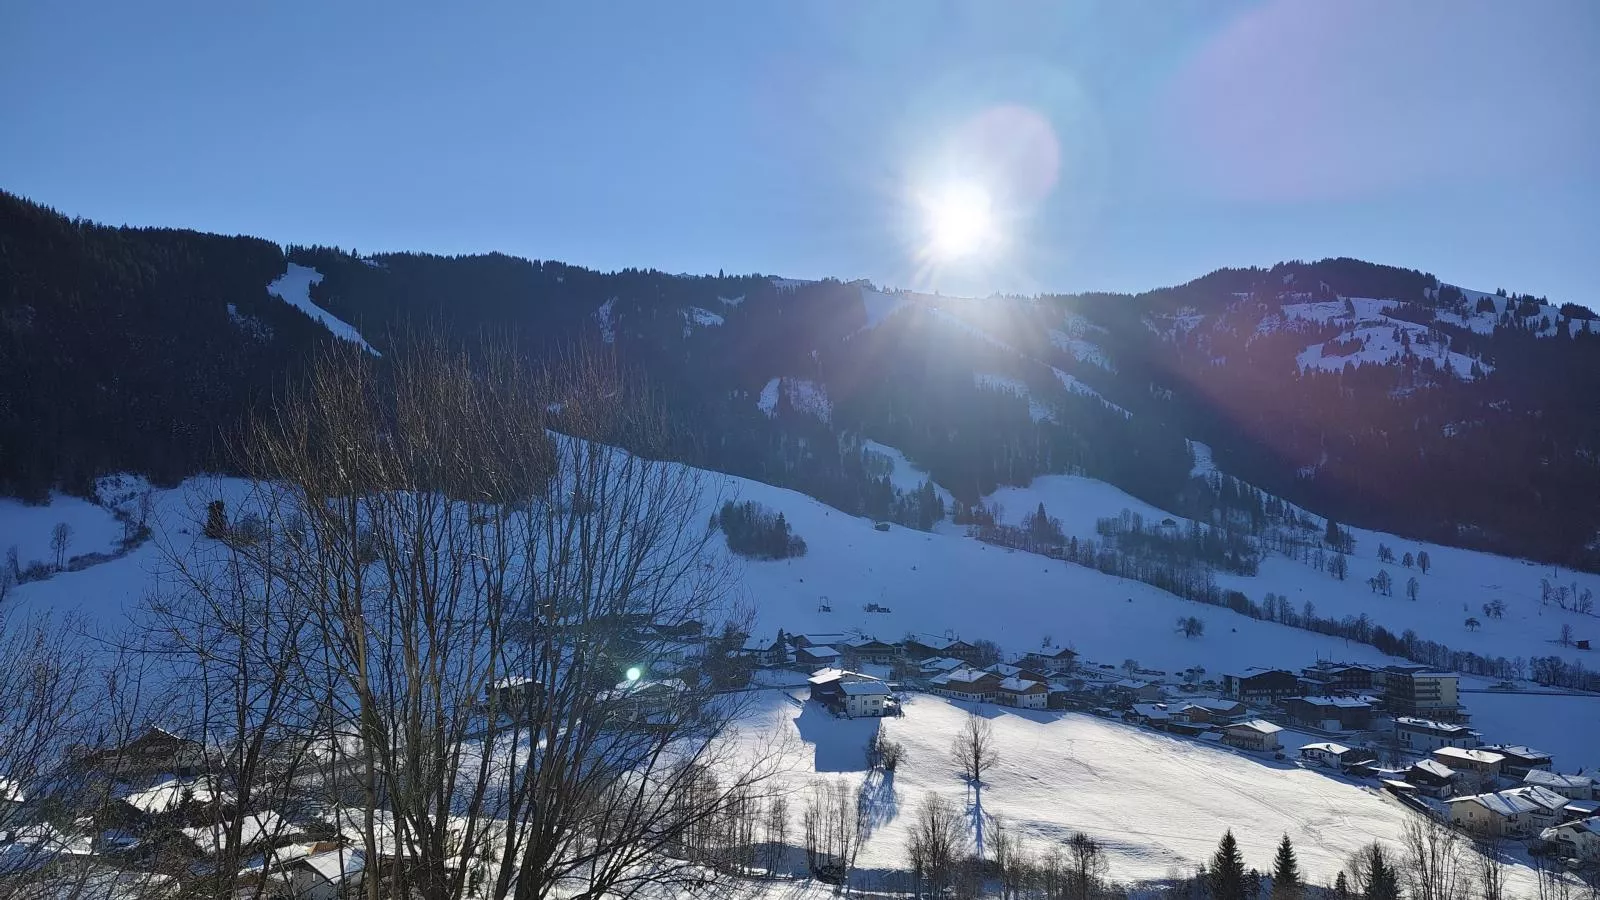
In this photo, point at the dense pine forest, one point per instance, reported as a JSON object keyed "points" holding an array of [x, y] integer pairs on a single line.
{"points": [[145, 349]]}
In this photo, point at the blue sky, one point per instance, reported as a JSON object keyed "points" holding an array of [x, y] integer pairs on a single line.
{"points": [[1126, 145]]}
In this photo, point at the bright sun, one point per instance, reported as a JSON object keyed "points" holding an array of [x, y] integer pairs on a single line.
{"points": [[960, 221]]}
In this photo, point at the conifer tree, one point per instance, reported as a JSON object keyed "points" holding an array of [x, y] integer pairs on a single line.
{"points": [[1286, 884], [1382, 882], [1226, 874]]}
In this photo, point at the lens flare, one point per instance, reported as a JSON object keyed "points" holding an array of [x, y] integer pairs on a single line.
{"points": [[960, 221]]}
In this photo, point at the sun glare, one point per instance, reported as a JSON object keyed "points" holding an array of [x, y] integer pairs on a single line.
{"points": [[960, 222]]}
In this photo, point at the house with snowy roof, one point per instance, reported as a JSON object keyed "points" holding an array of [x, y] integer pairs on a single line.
{"points": [[1520, 760], [869, 651], [812, 656], [1431, 777], [1256, 735], [1331, 755], [1060, 659], [1484, 764], [1258, 685], [1500, 814], [1007, 670], [1573, 787], [1423, 735], [1330, 713], [766, 651], [966, 684], [849, 693], [328, 875], [1578, 840], [1023, 693]]}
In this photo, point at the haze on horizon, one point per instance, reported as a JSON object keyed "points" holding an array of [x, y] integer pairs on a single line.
{"points": [[965, 147]]}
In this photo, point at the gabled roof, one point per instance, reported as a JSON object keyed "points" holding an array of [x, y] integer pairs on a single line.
{"points": [[1477, 757], [1543, 797], [1414, 722], [1326, 747], [865, 688], [334, 866], [1336, 702], [819, 651], [825, 676], [1517, 751], [1261, 726], [1152, 711], [1557, 781], [1434, 768], [968, 676], [1015, 685], [1215, 705], [1503, 804], [942, 664]]}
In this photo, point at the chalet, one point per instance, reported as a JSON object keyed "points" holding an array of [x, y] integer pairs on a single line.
{"points": [[1480, 767], [849, 693], [1132, 689], [327, 875], [1425, 735], [1192, 714], [1573, 787], [156, 752], [1421, 692], [1216, 710], [1023, 693], [1580, 809], [1257, 735], [1493, 815], [1521, 760], [766, 652], [813, 656], [1059, 660], [815, 640], [870, 651], [173, 794], [1256, 685], [920, 649], [1152, 714], [1578, 840], [938, 665], [1331, 755], [1006, 670], [968, 685], [1550, 805], [1431, 777], [1330, 713]]}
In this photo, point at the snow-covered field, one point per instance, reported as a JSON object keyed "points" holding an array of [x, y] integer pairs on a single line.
{"points": [[27, 528], [1158, 803]]}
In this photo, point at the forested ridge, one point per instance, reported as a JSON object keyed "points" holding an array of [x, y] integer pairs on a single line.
{"points": [[142, 349]]}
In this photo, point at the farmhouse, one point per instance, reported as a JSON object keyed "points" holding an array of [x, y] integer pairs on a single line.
{"points": [[517, 696], [1483, 764], [322, 876], [1257, 734], [1493, 815], [1132, 689], [766, 652], [1573, 787], [938, 665], [1330, 713], [1331, 755], [1006, 670], [1023, 693], [813, 656], [1330, 677], [1576, 840], [1431, 777], [1256, 685], [1061, 659], [1521, 760], [1152, 714], [849, 693], [1424, 735], [156, 752], [871, 651], [967, 685], [923, 649]]}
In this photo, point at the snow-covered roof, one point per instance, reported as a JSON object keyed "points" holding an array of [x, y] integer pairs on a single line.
{"points": [[1518, 751], [1152, 710], [336, 865], [1413, 722], [254, 829], [1503, 803], [1016, 685], [759, 645], [1261, 726], [11, 791], [1583, 808], [168, 795], [1558, 781], [1336, 702], [1435, 768], [511, 681], [1132, 684], [819, 651], [825, 676], [1326, 747], [942, 664], [1216, 705], [865, 688], [1540, 796], [1477, 757], [966, 676], [1005, 669]]}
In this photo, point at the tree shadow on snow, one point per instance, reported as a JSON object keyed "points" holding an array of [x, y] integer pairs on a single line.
{"points": [[840, 745], [880, 802]]}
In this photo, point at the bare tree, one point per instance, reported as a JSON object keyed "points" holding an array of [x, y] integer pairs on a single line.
{"points": [[1434, 862], [1086, 867], [1491, 870], [775, 832], [484, 579], [60, 537], [936, 844], [974, 751]]}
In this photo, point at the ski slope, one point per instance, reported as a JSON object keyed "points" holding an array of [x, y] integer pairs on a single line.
{"points": [[294, 288]]}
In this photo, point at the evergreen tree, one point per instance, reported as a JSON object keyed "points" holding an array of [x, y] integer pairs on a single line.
{"points": [[1383, 882], [1225, 878], [1341, 887], [1286, 884]]}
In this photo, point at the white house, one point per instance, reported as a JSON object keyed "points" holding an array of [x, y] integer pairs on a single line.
{"points": [[1257, 734], [1573, 787], [1576, 840], [1326, 753], [1517, 812], [322, 876], [1023, 693], [1423, 735], [1479, 766], [866, 697]]}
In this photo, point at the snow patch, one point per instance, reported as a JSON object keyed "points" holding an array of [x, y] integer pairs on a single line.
{"points": [[606, 317], [1077, 387], [695, 316], [731, 301], [294, 288], [1204, 466], [903, 474], [803, 394]]}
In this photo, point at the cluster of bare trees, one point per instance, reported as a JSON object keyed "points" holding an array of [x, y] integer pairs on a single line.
{"points": [[435, 638], [943, 861]]}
